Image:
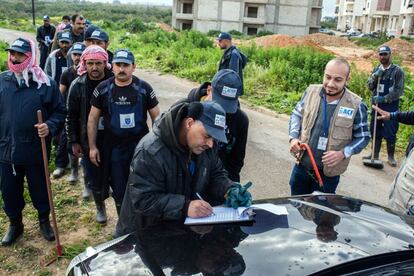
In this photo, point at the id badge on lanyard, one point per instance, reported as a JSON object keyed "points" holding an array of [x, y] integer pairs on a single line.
{"points": [[323, 140]]}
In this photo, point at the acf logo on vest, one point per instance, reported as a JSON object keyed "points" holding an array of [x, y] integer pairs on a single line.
{"points": [[346, 112]]}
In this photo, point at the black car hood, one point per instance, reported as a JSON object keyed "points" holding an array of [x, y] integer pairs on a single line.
{"points": [[320, 231]]}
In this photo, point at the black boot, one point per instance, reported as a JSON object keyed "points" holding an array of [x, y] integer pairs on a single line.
{"points": [[14, 232], [377, 149], [45, 228], [118, 208], [100, 208], [390, 152]]}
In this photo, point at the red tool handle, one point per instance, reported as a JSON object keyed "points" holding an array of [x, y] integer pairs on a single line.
{"points": [[49, 187], [315, 167]]}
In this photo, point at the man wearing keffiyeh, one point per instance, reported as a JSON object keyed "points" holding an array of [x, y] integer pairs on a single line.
{"points": [[93, 69], [24, 89]]}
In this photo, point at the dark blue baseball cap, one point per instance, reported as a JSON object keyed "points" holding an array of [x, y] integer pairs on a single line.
{"points": [[20, 45], [78, 48], [46, 17], [214, 120], [89, 31], [123, 56], [223, 35], [64, 36], [227, 87], [384, 49], [99, 34]]}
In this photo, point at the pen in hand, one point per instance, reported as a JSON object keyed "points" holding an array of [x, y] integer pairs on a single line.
{"points": [[199, 197]]}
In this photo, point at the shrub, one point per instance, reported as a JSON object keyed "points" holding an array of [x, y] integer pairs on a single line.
{"points": [[213, 33], [264, 33]]}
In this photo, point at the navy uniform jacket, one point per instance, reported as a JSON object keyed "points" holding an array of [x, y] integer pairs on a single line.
{"points": [[19, 140]]}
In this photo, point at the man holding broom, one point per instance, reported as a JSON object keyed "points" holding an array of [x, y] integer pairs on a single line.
{"points": [[24, 89]]}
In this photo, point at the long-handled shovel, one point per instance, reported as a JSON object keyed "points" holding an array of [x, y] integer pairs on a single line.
{"points": [[49, 193], [374, 163]]}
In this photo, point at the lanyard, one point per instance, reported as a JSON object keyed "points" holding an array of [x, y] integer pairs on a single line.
{"points": [[325, 120]]}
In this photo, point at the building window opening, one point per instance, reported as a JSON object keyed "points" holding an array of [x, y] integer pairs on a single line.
{"points": [[186, 26], [252, 12], [251, 31], [188, 8]]}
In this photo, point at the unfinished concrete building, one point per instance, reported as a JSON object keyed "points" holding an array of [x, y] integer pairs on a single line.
{"points": [[292, 17]]}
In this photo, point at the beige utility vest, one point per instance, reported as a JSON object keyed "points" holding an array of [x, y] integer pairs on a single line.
{"points": [[341, 124]]}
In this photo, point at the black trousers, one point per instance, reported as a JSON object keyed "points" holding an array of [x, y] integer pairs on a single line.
{"points": [[12, 188]]}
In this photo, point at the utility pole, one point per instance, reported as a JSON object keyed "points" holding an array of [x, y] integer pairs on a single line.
{"points": [[33, 13]]}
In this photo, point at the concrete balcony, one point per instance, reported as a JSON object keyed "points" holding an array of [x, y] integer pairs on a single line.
{"points": [[256, 2], [252, 20], [184, 16]]}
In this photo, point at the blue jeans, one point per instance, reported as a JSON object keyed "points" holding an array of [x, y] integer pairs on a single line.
{"points": [[11, 185], [304, 182]]}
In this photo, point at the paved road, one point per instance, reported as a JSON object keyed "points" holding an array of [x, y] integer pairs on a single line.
{"points": [[268, 163]]}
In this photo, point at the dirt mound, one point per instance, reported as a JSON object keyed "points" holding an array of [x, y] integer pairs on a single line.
{"points": [[276, 40], [166, 27], [400, 47], [327, 40], [279, 40]]}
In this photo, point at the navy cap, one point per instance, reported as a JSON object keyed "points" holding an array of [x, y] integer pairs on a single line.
{"points": [[224, 35], [46, 17], [88, 22], [64, 36], [98, 34], [124, 56], [214, 120], [227, 87], [20, 45], [89, 31], [384, 49], [78, 48]]}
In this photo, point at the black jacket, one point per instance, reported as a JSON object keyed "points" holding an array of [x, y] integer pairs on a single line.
{"points": [[160, 187], [233, 153], [235, 60], [42, 32], [408, 119], [19, 140], [78, 105]]}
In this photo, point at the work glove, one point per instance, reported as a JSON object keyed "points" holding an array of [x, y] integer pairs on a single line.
{"points": [[237, 195], [378, 74], [379, 99]]}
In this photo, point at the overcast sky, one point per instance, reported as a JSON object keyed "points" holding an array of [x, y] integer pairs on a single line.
{"points": [[328, 5]]}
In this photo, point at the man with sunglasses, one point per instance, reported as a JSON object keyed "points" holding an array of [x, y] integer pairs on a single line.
{"points": [[388, 80], [124, 102], [93, 69]]}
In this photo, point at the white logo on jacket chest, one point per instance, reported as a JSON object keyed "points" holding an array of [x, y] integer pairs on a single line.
{"points": [[346, 112]]}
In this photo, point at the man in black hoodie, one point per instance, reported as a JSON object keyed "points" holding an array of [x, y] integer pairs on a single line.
{"points": [[172, 164], [225, 90], [232, 58]]}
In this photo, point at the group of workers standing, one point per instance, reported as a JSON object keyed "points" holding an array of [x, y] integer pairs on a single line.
{"points": [[190, 160]]}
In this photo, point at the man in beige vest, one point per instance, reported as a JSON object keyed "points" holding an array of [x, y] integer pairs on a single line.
{"points": [[333, 122]]}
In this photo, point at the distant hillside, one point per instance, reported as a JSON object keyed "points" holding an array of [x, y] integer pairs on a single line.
{"points": [[14, 9]]}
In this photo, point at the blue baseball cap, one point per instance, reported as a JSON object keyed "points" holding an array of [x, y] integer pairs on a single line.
{"points": [[89, 31], [46, 17], [384, 49], [214, 120], [227, 87], [78, 48], [123, 56], [223, 35], [64, 36], [99, 34], [20, 45]]}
